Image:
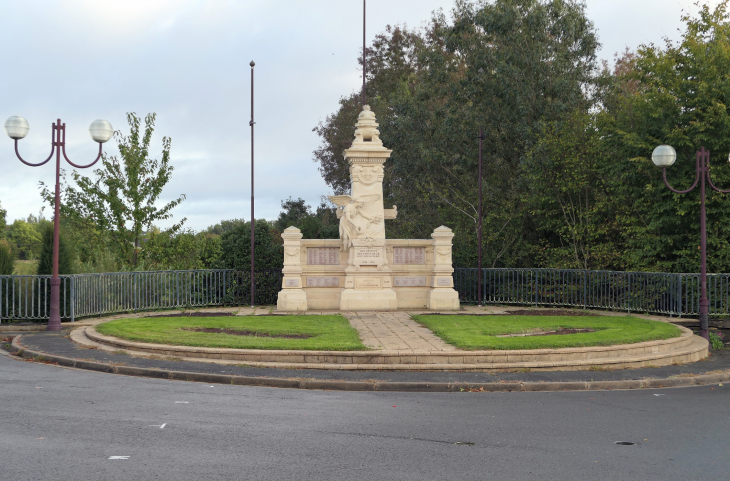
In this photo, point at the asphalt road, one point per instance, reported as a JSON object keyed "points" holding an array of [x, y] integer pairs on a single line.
{"points": [[64, 424]]}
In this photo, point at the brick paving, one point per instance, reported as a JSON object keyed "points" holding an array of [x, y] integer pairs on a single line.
{"points": [[394, 331]]}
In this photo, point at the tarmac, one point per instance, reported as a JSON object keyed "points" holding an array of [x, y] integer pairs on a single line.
{"points": [[57, 348]]}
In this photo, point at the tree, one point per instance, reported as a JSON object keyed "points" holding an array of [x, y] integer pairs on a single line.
{"points": [[508, 67], [678, 95], [182, 250], [27, 239], [120, 205], [224, 226], [568, 196], [3, 221], [65, 255], [236, 247], [7, 259], [322, 224]]}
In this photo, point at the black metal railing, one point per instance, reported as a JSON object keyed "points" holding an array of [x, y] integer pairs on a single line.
{"points": [[83, 295], [658, 293]]}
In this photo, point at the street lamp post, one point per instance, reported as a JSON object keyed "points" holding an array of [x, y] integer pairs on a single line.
{"points": [[17, 128], [664, 156]]}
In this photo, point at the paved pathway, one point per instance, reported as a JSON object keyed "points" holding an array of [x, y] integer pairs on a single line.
{"points": [[394, 331]]}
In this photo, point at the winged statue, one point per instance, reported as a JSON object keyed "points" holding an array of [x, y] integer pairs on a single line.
{"points": [[350, 226]]}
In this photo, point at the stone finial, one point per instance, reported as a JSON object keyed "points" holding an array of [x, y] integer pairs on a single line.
{"points": [[443, 232], [367, 132], [291, 233]]}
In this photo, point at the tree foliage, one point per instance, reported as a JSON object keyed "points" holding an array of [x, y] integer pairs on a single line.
{"points": [[7, 259], [121, 203], [322, 224], [676, 94], [506, 67], [65, 254], [236, 247]]}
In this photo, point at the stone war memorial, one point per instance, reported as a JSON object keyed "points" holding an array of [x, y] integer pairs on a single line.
{"points": [[362, 270]]}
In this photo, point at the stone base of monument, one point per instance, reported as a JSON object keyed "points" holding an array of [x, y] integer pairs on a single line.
{"points": [[292, 300], [362, 300], [443, 299]]}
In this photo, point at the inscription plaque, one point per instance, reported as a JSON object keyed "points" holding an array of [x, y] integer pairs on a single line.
{"points": [[323, 256], [409, 255], [368, 255], [443, 281], [409, 281], [323, 281], [291, 282], [368, 281]]}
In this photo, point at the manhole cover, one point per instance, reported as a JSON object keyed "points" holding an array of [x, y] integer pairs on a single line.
{"points": [[625, 443]]}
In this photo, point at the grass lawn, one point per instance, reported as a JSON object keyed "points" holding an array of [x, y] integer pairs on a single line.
{"points": [[326, 333], [479, 332]]}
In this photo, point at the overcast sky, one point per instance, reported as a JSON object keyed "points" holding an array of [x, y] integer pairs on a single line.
{"points": [[187, 60]]}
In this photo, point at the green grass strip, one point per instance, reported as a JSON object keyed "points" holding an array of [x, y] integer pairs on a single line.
{"points": [[479, 332], [328, 333]]}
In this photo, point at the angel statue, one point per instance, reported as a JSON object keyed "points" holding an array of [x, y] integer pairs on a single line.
{"points": [[353, 221]]}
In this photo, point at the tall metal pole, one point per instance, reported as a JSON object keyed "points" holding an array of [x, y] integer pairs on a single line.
{"points": [[704, 161], [54, 320], [364, 61], [479, 224], [58, 146], [253, 279]]}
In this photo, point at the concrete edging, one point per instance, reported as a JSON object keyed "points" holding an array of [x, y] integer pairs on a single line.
{"points": [[331, 385]]}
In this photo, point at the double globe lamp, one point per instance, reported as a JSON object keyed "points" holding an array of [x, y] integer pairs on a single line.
{"points": [[663, 157], [101, 131]]}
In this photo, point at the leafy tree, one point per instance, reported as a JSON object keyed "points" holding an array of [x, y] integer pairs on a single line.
{"points": [[120, 205], [676, 94], [27, 239], [224, 226], [182, 250], [65, 255], [508, 67], [568, 195], [322, 224], [236, 247], [7, 259], [3, 221]]}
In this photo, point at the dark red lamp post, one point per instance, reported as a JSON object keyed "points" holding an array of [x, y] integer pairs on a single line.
{"points": [[101, 131], [664, 156]]}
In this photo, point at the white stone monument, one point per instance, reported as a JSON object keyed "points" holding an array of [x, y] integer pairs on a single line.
{"points": [[363, 270]]}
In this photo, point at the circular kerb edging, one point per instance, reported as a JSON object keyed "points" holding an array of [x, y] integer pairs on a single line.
{"points": [[393, 386]]}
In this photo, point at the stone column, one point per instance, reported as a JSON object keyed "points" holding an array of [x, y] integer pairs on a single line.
{"points": [[292, 297], [442, 295]]}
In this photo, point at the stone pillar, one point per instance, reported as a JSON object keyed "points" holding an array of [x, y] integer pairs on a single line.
{"points": [[292, 297], [442, 295]]}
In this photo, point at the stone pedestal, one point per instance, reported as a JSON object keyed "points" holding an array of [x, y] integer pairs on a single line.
{"points": [[292, 297], [442, 294], [368, 281]]}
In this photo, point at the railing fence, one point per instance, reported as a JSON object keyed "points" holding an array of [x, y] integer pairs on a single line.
{"points": [[84, 295], [657, 293]]}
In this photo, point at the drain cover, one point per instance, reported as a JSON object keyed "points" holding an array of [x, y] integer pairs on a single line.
{"points": [[625, 443]]}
